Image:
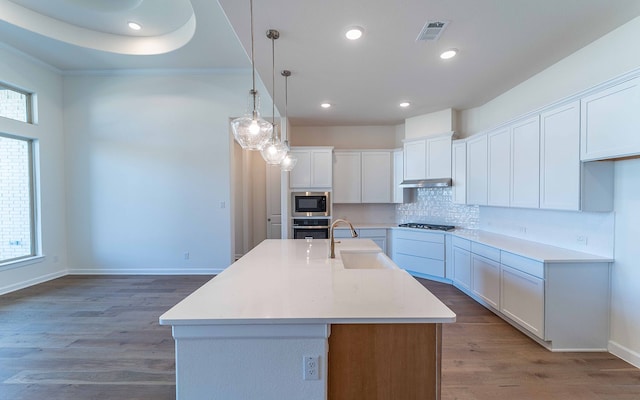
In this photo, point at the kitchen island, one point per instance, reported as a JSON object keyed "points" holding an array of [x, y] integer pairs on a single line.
{"points": [[287, 322]]}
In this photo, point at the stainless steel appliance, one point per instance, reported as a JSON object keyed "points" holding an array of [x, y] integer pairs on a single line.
{"points": [[435, 227], [310, 228], [310, 204]]}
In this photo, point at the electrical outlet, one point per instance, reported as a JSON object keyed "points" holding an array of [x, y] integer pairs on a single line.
{"points": [[310, 368], [582, 239], [186, 255]]}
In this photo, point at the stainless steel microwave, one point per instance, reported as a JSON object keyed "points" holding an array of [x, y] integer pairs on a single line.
{"points": [[310, 204]]}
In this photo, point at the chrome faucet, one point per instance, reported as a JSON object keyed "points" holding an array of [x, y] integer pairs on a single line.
{"points": [[354, 234]]}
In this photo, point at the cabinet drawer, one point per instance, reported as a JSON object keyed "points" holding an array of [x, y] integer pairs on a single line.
{"points": [[419, 248], [527, 265], [372, 232], [421, 265], [485, 251], [422, 236], [461, 243]]}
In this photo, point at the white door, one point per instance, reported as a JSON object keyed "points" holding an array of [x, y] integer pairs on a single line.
{"points": [[274, 199]]}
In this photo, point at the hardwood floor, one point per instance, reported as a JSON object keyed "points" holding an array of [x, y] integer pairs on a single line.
{"points": [[97, 337]]}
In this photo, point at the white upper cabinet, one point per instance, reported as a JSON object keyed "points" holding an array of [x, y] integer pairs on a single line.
{"points": [[347, 177], [415, 163], [477, 170], [362, 176], [560, 158], [428, 158], [499, 167], [459, 171], [611, 122], [525, 163], [313, 169], [397, 190], [376, 177]]}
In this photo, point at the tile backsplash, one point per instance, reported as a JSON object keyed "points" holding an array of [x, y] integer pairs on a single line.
{"points": [[435, 205]]}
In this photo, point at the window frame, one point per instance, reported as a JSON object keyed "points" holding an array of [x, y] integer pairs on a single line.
{"points": [[28, 102], [35, 229]]}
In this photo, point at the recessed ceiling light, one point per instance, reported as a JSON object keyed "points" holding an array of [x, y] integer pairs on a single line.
{"points": [[449, 54], [354, 33], [134, 26], [405, 104], [325, 105]]}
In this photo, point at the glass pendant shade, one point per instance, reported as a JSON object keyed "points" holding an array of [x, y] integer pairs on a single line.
{"points": [[250, 131], [274, 151], [289, 162]]}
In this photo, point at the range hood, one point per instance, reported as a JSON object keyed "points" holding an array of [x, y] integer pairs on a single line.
{"points": [[426, 183]]}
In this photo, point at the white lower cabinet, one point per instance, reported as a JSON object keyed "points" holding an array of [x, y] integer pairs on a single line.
{"points": [[420, 253], [563, 304], [523, 299], [378, 235]]}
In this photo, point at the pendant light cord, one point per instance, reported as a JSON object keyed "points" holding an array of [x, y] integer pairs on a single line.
{"points": [[273, 85], [253, 65]]}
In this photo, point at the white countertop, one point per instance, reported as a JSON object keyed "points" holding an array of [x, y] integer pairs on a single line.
{"points": [[293, 281]]}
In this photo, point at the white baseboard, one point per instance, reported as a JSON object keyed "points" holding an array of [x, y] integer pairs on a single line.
{"points": [[31, 282], [145, 271], [630, 356]]}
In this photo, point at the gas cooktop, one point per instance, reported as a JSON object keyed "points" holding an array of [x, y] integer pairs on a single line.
{"points": [[428, 226]]}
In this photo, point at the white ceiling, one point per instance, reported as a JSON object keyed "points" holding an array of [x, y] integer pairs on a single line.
{"points": [[501, 43]]}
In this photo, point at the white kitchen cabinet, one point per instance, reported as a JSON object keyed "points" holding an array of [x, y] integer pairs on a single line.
{"points": [[477, 170], [610, 122], [400, 194], [461, 263], [486, 279], [565, 182], [459, 171], [420, 253], [376, 177], [414, 159], [523, 299], [347, 182], [525, 163], [428, 158], [313, 169], [362, 176], [378, 235], [498, 167]]}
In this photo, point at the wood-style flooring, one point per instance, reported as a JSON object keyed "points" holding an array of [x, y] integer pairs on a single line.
{"points": [[97, 337]]}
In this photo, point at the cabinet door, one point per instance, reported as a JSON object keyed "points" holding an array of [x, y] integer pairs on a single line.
{"points": [[414, 159], [477, 170], [522, 299], [459, 172], [525, 163], [560, 158], [462, 267], [301, 175], [499, 166], [486, 279], [398, 162], [346, 177], [376, 177], [321, 168], [439, 157], [610, 122]]}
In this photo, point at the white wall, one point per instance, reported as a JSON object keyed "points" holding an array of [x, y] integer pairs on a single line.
{"points": [[625, 296], [148, 170], [430, 124], [345, 137], [29, 74], [612, 55]]}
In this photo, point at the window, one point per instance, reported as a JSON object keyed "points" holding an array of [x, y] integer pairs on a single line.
{"points": [[17, 195], [15, 104]]}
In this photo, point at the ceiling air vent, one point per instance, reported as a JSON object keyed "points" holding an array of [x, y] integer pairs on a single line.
{"points": [[432, 30]]}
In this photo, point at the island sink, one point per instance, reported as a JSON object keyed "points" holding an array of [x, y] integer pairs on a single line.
{"points": [[366, 260]]}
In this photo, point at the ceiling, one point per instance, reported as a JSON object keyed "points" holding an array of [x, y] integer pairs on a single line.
{"points": [[501, 43]]}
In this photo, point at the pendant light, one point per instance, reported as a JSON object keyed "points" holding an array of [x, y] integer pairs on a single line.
{"points": [[274, 151], [290, 160], [250, 131]]}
